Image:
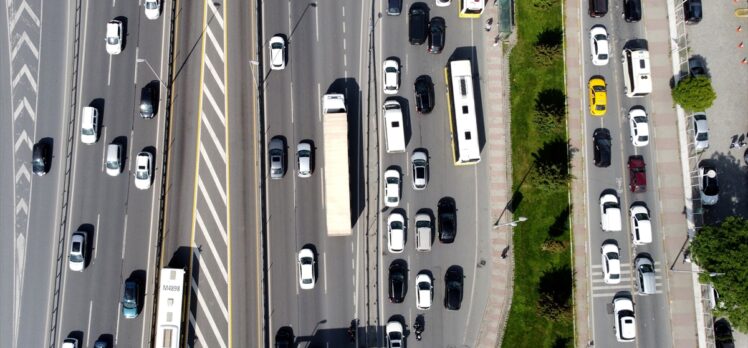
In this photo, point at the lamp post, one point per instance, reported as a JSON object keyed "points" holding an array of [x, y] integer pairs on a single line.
{"points": [[511, 223], [142, 60]]}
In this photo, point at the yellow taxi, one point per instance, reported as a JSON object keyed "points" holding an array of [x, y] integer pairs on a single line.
{"points": [[598, 96]]}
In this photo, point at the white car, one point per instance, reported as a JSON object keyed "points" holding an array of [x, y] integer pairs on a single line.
{"points": [[306, 262], [304, 159], [89, 125], [641, 226], [391, 188], [700, 131], [143, 163], [639, 127], [395, 233], [599, 45], [277, 53], [394, 332], [424, 291], [77, 256], [708, 184], [114, 37], [610, 213], [420, 162], [443, 3], [391, 76], [152, 9], [611, 262], [623, 310]]}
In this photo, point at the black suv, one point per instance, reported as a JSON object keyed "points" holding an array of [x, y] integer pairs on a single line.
{"points": [[447, 220], [437, 31], [284, 337], [602, 147], [424, 94], [632, 10], [393, 7], [418, 23], [398, 281], [453, 288], [148, 101], [692, 11], [40, 158]]}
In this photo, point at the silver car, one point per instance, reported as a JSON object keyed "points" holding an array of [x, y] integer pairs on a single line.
{"points": [[700, 131], [77, 256], [420, 162], [277, 154], [708, 185], [304, 159]]}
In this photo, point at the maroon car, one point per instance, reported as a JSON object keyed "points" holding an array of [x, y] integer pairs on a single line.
{"points": [[638, 174]]}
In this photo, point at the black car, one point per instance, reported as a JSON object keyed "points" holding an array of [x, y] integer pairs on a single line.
{"points": [[394, 7], [696, 67], [453, 281], [437, 31], [398, 281], [723, 334], [148, 101], [692, 11], [602, 147], [418, 23], [447, 220], [424, 94], [284, 338], [40, 158], [632, 10]]}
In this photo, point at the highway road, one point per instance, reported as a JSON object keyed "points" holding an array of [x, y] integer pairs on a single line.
{"points": [[120, 220], [466, 184], [327, 52], [652, 311]]}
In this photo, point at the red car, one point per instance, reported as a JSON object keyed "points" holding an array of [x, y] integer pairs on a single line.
{"points": [[638, 174]]}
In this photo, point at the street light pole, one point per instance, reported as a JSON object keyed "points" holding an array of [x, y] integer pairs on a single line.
{"points": [[142, 60], [511, 223]]}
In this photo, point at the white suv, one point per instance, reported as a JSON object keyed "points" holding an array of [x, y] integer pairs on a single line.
{"points": [[277, 52], [641, 226], [89, 125], [395, 233], [391, 188]]}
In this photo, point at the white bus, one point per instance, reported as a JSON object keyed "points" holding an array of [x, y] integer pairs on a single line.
{"points": [[463, 122], [169, 315], [471, 8], [637, 78]]}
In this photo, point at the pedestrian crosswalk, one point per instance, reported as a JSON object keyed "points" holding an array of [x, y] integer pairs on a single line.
{"points": [[628, 281]]}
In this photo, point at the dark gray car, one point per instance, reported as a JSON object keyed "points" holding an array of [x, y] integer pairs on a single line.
{"points": [[277, 156]]}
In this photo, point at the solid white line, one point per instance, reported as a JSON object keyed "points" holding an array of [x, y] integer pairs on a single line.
{"points": [[316, 21], [129, 151], [319, 98], [96, 236], [116, 330], [124, 238], [322, 183], [212, 133], [291, 101], [206, 312], [198, 332], [324, 267], [109, 72], [215, 44], [219, 298], [213, 73], [214, 214], [137, 49], [217, 109], [88, 331], [214, 252], [216, 181]]}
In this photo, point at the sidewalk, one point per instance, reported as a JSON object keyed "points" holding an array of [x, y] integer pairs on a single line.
{"points": [[497, 121]]}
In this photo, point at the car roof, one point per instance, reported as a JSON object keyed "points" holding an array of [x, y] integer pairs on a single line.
{"points": [[112, 28], [637, 161]]}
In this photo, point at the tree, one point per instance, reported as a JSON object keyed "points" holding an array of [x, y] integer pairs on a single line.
{"points": [[694, 93], [722, 253], [550, 110]]}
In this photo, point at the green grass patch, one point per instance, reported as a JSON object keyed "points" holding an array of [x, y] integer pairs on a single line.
{"points": [[542, 304]]}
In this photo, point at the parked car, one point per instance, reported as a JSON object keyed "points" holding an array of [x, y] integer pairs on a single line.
{"points": [[641, 225], [638, 127], [602, 142], [447, 220], [398, 279], [391, 76], [420, 163], [394, 331], [418, 23], [424, 94], [277, 52], [598, 96], [437, 33], [632, 10], [645, 275], [424, 291], [610, 213], [692, 11], [453, 282], [114, 37], [277, 155], [599, 45], [395, 233], [708, 184], [637, 173], [625, 324], [723, 334], [394, 7], [611, 262], [391, 188], [700, 131], [306, 261], [696, 67], [284, 338]]}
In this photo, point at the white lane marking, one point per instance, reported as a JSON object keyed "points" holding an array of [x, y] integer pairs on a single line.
{"points": [[24, 41], [206, 312], [218, 219], [124, 238], [324, 270], [343, 33], [212, 247], [137, 49], [109, 72], [215, 12], [319, 97], [217, 109], [96, 236], [216, 181], [219, 297], [322, 183], [116, 330], [215, 44], [316, 22], [214, 73], [291, 102], [198, 333], [88, 330], [129, 151], [217, 143]]}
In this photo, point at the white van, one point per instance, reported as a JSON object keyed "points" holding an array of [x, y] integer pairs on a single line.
{"points": [[610, 213], [394, 126], [89, 125], [113, 161], [423, 232], [637, 79]]}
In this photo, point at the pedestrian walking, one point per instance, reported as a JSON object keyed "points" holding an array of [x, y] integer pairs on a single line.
{"points": [[489, 24]]}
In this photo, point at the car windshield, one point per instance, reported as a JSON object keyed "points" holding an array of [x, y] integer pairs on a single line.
{"points": [[87, 131], [424, 286], [646, 268], [396, 225], [615, 276], [420, 172], [643, 137], [151, 5], [598, 88], [395, 336], [112, 40], [276, 46], [641, 217], [612, 256], [602, 56], [423, 223], [146, 108], [392, 180], [128, 299], [142, 173], [304, 153], [702, 136], [112, 165], [275, 158]]}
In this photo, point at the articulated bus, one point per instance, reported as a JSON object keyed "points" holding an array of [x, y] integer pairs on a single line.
{"points": [[471, 8], [463, 123], [170, 302]]}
